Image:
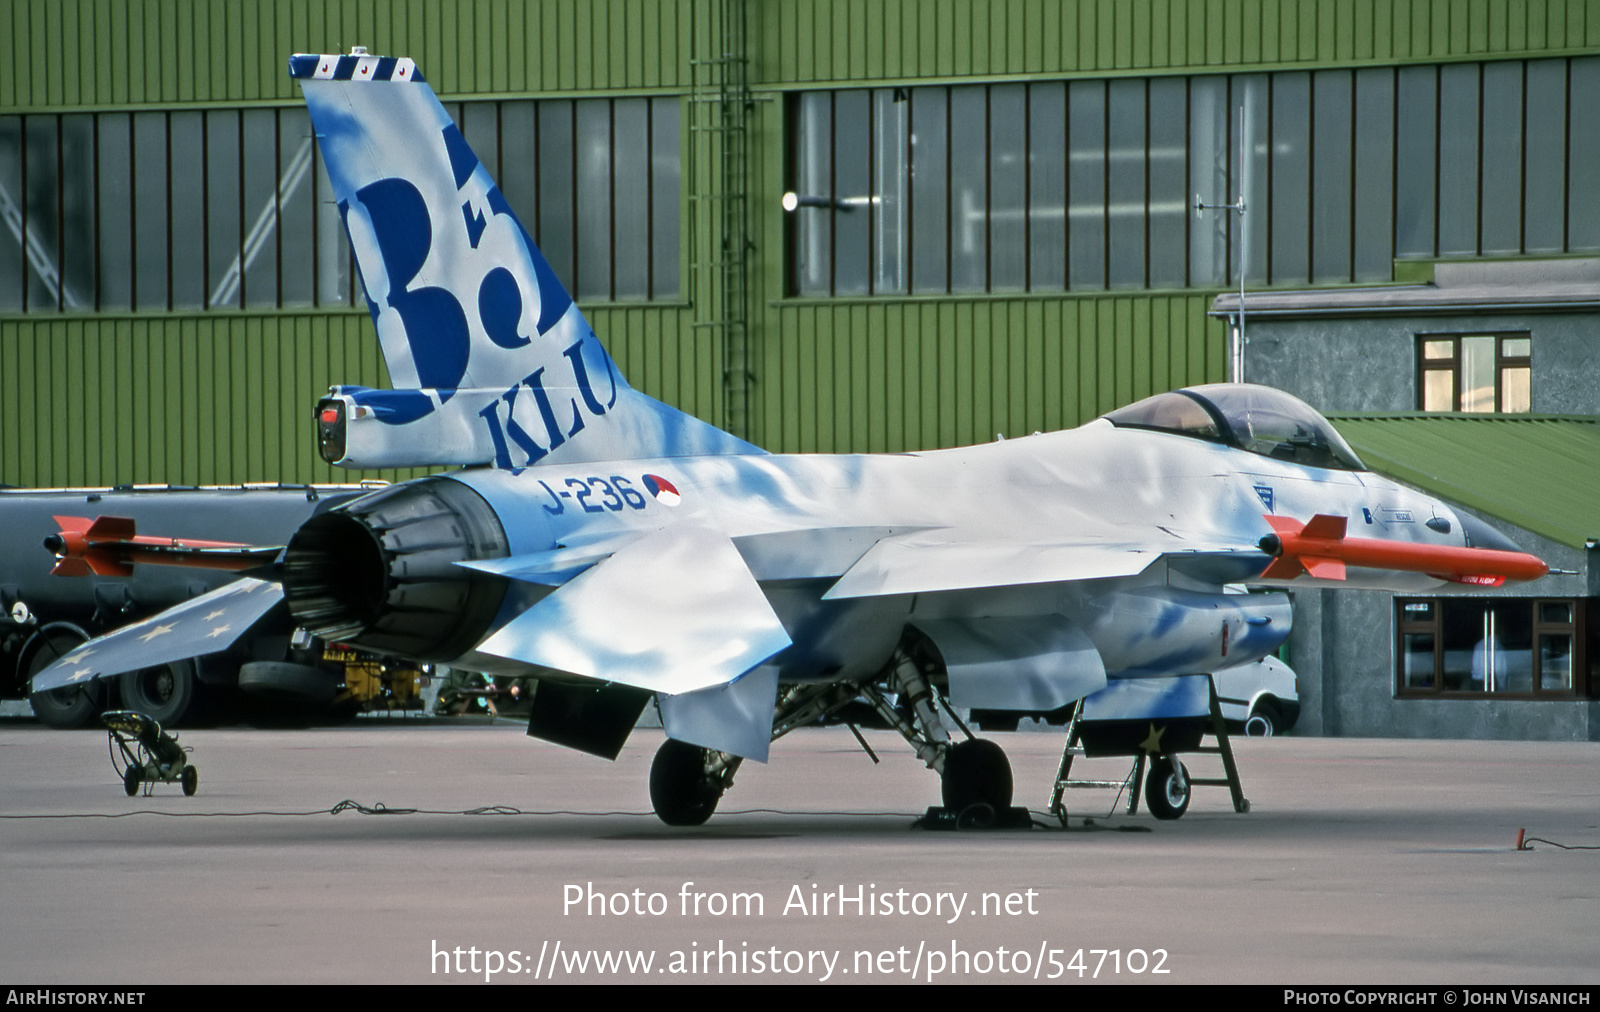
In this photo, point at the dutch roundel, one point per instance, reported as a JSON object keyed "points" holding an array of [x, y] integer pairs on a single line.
{"points": [[662, 489]]}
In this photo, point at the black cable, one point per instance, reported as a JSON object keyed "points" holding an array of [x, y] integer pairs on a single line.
{"points": [[381, 809], [1527, 843]]}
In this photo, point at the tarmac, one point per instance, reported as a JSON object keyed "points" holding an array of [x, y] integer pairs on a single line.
{"points": [[1362, 863]]}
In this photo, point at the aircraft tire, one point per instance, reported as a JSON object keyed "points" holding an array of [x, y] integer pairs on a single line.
{"points": [[1263, 721], [191, 781], [130, 780], [679, 790], [976, 771], [166, 693], [67, 708], [1163, 795], [282, 680]]}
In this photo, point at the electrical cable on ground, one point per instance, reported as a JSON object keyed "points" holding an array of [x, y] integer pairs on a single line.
{"points": [[382, 809]]}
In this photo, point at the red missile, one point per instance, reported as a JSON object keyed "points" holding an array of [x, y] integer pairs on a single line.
{"points": [[109, 546], [1319, 548]]}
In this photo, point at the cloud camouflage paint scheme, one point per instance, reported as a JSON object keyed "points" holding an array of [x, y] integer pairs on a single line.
{"points": [[622, 550]]}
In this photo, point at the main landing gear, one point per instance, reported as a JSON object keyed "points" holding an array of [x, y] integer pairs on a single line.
{"points": [[976, 772], [687, 781]]}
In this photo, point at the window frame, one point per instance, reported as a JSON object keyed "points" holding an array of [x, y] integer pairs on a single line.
{"points": [[1580, 629], [1452, 365]]}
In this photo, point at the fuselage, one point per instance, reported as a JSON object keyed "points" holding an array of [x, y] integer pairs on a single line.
{"points": [[801, 521], [1096, 482]]}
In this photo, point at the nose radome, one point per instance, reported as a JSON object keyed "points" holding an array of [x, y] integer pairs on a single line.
{"points": [[1481, 535]]}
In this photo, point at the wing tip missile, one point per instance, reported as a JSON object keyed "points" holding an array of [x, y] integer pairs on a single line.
{"points": [[110, 545], [1320, 548]]}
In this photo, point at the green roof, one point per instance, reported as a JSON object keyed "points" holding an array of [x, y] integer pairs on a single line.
{"points": [[1539, 472]]}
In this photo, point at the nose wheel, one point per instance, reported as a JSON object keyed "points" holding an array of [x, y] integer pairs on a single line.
{"points": [[1167, 788]]}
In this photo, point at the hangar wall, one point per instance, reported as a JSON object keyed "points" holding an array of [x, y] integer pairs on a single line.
{"points": [[96, 395]]}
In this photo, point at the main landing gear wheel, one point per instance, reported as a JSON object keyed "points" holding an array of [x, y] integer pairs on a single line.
{"points": [[191, 781], [130, 780], [681, 791], [976, 771], [1167, 789]]}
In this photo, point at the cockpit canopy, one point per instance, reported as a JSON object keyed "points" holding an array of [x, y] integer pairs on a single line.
{"points": [[1260, 419]]}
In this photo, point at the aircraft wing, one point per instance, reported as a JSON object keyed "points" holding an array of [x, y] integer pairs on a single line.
{"points": [[925, 561], [205, 625], [672, 611]]}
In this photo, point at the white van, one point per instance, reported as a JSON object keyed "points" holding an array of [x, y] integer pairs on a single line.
{"points": [[1262, 699]]}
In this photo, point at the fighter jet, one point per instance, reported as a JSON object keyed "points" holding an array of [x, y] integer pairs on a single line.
{"points": [[624, 552]]}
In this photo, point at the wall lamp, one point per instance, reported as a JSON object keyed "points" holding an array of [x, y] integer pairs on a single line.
{"points": [[793, 201]]}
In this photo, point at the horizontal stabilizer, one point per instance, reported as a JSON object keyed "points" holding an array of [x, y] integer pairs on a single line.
{"points": [[674, 611], [927, 561], [1150, 699], [206, 625], [1158, 716], [734, 718]]}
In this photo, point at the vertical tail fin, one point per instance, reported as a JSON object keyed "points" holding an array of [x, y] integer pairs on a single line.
{"points": [[490, 359]]}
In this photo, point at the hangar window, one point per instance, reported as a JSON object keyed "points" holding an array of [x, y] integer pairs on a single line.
{"points": [[1473, 647], [1085, 185], [1479, 373], [232, 208]]}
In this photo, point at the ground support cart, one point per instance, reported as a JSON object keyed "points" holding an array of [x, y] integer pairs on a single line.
{"points": [[148, 755], [1152, 720]]}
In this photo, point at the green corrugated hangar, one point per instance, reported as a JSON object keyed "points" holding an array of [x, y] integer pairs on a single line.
{"points": [[994, 225]]}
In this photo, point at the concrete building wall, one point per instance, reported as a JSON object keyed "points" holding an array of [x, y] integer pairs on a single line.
{"points": [[1343, 364], [1343, 648]]}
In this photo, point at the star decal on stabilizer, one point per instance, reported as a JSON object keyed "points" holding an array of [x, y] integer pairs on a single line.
{"points": [[1152, 741], [160, 630]]}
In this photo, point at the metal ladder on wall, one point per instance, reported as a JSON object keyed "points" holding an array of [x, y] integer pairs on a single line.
{"points": [[719, 111]]}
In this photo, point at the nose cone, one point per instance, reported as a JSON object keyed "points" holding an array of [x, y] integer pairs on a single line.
{"points": [[1481, 535]]}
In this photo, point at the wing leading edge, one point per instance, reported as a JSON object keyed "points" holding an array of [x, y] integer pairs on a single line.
{"points": [[927, 561]]}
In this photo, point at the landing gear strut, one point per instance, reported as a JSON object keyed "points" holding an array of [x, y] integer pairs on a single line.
{"points": [[975, 775], [687, 781]]}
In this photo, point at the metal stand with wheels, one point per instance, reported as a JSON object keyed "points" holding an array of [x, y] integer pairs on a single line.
{"points": [[1166, 781], [148, 755]]}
